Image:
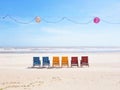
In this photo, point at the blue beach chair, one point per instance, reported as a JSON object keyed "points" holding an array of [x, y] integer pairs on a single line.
{"points": [[46, 61], [36, 61]]}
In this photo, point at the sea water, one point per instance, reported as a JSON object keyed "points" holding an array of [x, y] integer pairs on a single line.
{"points": [[58, 49]]}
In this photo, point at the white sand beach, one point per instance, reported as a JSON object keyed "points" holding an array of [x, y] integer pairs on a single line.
{"points": [[103, 73]]}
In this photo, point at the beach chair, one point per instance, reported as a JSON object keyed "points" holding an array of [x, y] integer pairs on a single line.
{"points": [[56, 61], [64, 61], [84, 61], [74, 61], [46, 61], [36, 61]]}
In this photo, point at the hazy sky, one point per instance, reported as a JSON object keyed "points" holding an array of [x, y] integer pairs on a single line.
{"points": [[64, 33]]}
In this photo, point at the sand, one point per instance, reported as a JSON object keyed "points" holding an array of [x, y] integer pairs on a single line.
{"points": [[103, 73]]}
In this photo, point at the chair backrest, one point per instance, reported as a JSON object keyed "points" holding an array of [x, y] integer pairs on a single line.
{"points": [[56, 60], [36, 61], [64, 60], [84, 59], [74, 60], [46, 60]]}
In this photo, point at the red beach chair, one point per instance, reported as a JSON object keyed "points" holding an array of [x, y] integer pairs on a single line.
{"points": [[74, 61], [84, 61]]}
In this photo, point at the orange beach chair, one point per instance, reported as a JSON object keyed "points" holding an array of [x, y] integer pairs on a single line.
{"points": [[64, 61], [56, 61]]}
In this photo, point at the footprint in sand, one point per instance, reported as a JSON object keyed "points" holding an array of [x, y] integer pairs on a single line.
{"points": [[35, 83], [20, 85], [56, 79], [10, 85]]}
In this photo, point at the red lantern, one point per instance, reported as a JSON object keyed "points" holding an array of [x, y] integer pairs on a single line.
{"points": [[96, 20]]}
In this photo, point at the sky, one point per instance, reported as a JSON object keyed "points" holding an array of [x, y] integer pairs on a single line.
{"points": [[49, 32]]}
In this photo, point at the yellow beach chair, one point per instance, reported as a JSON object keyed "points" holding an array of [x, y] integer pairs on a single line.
{"points": [[65, 61], [56, 61]]}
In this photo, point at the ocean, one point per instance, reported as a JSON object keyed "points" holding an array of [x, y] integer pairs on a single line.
{"points": [[58, 49]]}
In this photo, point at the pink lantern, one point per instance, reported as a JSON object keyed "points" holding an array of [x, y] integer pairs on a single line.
{"points": [[96, 20], [37, 19]]}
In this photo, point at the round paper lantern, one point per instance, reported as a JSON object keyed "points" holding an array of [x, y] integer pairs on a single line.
{"points": [[37, 19], [96, 20]]}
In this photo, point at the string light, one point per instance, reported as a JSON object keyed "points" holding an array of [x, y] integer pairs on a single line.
{"points": [[38, 19]]}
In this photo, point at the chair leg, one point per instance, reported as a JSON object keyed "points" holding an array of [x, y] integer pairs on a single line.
{"points": [[88, 65], [81, 65], [67, 65]]}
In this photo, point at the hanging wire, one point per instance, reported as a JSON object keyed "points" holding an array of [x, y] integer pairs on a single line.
{"points": [[75, 22], [17, 21], [65, 18], [43, 19], [60, 20], [110, 22], [56, 21]]}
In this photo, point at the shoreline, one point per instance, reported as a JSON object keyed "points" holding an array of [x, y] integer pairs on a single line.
{"points": [[60, 52]]}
